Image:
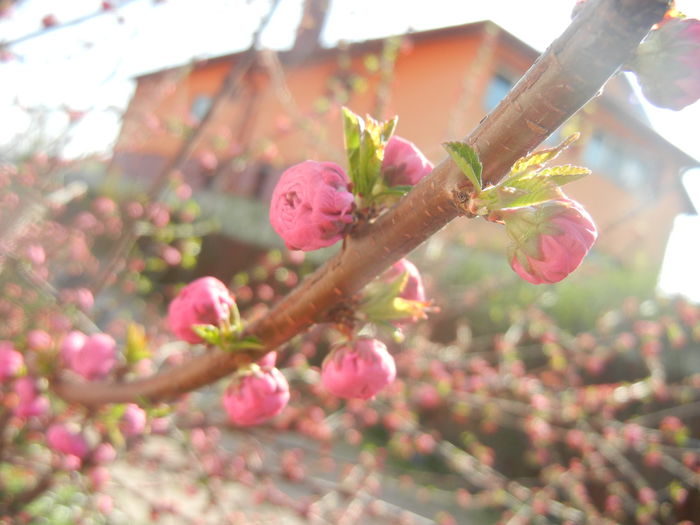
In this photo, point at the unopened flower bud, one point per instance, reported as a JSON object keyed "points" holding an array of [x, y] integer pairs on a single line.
{"points": [[204, 301], [10, 360], [359, 369], [133, 421], [311, 205], [668, 63], [31, 404], [61, 439], [404, 164], [94, 359], [413, 290], [256, 396], [549, 240]]}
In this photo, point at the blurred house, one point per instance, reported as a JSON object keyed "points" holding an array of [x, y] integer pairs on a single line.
{"points": [[284, 108]]}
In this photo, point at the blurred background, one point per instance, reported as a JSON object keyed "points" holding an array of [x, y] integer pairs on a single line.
{"points": [[140, 144]]}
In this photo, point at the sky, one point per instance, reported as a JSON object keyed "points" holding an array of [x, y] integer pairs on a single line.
{"points": [[91, 66]]}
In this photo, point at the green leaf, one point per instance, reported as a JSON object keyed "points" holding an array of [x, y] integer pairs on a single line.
{"points": [[136, 346], [535, 160], [467, 160], [364, 144], [394, 190], [352, 128], [521, 192], [208, 332], [564, 174]]}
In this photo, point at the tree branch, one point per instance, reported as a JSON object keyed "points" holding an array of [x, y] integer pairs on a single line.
{"points": [[572, 71]]}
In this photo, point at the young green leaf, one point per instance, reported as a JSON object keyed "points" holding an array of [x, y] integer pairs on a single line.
{"points": [[564, 174], [467, 160], [534, 161], [247, 343], [353, 127], [521, 192]]}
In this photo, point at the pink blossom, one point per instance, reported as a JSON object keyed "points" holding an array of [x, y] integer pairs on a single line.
{"points": [[256, 396], [404, 164], [268, 360], [133, 421], [549, 240], [39, 340], [10, 360], [104, 453], [92, 357], [31, 404], [204, 301], [359, 369], [61, 439], [311, 205], [668, 63], [36, 254], [99, 476], [413, 291]]}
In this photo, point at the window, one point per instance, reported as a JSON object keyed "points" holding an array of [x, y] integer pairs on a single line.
{"points": [[200, 106], [498, 88], [627, 168]]}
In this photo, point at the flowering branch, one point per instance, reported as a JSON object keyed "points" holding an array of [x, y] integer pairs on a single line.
{"points": [[572, 71]]}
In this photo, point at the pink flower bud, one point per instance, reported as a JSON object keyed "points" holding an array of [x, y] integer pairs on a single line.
{"points": [[71, 346], [133, 421], [99, 476], [204, 301], [549, 240], [39, 340], [256, 397], [93, 359], [359, 369], [104, 453], [268, 360], [311, 205], [31, 404], [10, 360], [404, 164], [413, 291], [668, 63], [61, 439]]}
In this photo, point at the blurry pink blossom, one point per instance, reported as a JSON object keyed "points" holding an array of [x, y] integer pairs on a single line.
{"points": [[268, 360], [359, 369], [61, 439], [311, 205], [203, 301], [104, 453], [404, 164], [39, 340], [36, 254], [256, 396], [133, 422], [31, 404], [99, 476], [668, 63], [549, 240], [92, 357], [10, 360]]}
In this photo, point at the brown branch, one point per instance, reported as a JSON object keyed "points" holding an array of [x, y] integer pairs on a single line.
{"points": [[564, 78]]}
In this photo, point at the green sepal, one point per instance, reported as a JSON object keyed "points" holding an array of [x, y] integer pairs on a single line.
{"points": [[384, 304], [136, 346], [467, 161], [210, 333], [246, 343], [521, 192]]}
